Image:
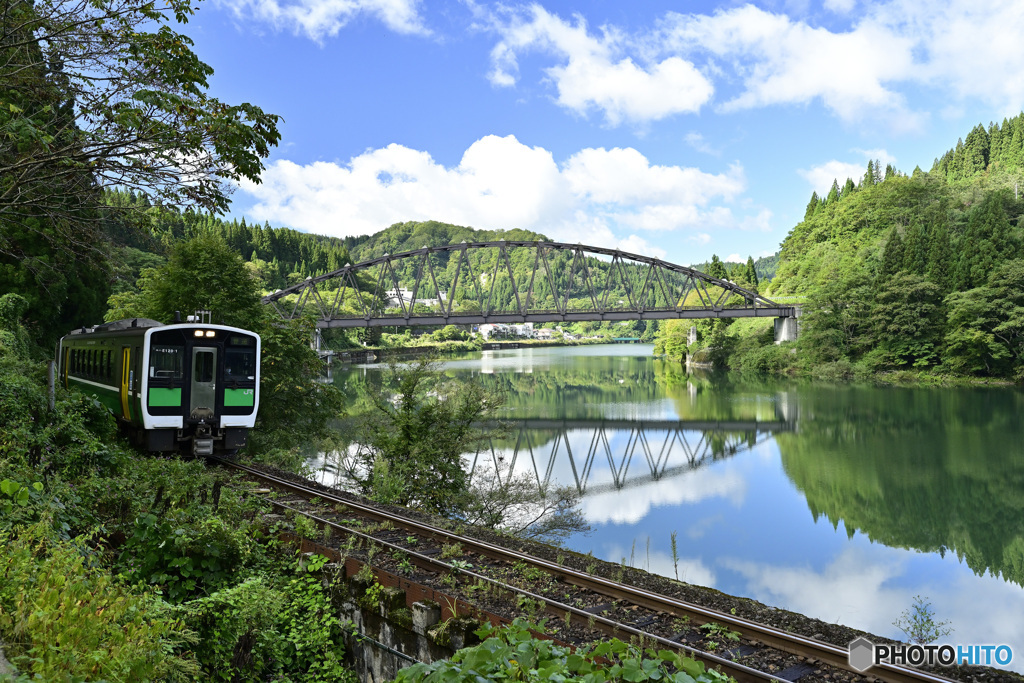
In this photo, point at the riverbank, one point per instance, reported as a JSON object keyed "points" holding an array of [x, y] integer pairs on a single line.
{"points": [[748, 347], [380, 354]]}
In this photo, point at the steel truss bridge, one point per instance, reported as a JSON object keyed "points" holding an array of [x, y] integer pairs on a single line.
{"points": [[610, 455], [557, 282]]}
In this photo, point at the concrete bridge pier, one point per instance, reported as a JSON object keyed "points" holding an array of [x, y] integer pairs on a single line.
{"points": [[787, 329]]}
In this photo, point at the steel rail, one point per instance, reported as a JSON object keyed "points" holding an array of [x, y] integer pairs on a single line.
{"points": [[767, 635]]}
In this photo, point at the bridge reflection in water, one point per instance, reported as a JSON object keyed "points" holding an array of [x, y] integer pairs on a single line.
{"points": [[592, 455], [595, 456]]}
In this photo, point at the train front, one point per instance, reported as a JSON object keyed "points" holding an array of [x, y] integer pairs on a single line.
{"points": [[201, 385]]}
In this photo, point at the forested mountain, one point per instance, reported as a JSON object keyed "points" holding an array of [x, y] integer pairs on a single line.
{"points": [[764, 267], [916, 271], [280, 256]]}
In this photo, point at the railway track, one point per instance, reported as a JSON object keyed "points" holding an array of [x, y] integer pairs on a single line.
{"points": [[605, 605]]}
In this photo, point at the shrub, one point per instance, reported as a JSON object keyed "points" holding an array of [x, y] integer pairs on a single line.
{"points": [[62, 619], [766, 360], [183, 555], [262, 629], [514, 653]]}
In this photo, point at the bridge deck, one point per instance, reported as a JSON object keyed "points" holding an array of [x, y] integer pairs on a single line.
{"points": [[385, 320]]}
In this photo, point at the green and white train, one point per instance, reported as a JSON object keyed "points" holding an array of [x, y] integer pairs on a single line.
{"points": [[186, 386]]}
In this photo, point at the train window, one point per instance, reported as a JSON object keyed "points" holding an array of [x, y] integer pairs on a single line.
{"points": [[166, 362], [110, 364], [239, 364], [89, 355], [203, 371]]}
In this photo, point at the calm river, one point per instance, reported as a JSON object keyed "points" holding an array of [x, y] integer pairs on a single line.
{"points": [[840, 502]]}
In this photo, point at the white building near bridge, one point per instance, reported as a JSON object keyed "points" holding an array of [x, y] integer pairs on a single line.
{"points": [[400, 296], [523, 330]]}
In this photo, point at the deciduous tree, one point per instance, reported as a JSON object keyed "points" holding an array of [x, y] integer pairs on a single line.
{"points": [[106, 87]]}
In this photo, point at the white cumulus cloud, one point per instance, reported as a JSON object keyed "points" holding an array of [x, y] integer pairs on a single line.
{"points": [[783, 61], [593, 72], [821, 177], [869, 589], [319, 19], [746, 57], [840, 6], [630, 505], [597, 196]]}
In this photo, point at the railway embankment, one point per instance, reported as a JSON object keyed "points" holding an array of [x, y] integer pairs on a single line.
{"points": [[470, 574]]}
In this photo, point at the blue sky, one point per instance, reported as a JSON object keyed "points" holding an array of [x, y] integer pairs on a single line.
{"points": [[671, 129]]}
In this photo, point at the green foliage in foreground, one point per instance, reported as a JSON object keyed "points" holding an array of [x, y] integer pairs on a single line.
{"points": [[63, 619], [279, 627], [125, 568], [514, 653], [195, 592]]}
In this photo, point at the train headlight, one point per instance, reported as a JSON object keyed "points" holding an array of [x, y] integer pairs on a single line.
{"points": [[211, 333], [199, 333]]}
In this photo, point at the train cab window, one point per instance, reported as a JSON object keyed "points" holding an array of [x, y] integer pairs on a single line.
{"points": [[203, 363], [167, 362], [239, 365]]}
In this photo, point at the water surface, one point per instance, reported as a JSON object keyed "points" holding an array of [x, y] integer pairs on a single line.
{"points": [[839, 502]]}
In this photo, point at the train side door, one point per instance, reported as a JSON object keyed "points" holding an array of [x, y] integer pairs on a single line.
{"points": [[126, 382], [203, 390]]}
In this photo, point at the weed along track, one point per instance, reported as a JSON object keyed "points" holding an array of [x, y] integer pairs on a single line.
{"points": [[472, 577]]}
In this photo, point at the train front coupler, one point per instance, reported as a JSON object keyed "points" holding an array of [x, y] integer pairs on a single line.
{"points": [[202, 439]]}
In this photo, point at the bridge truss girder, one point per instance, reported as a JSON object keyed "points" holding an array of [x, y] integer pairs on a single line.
{"points": [[653, 289]]}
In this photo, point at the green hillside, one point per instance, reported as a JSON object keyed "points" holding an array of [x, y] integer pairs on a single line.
{"points": [[896, 271]]}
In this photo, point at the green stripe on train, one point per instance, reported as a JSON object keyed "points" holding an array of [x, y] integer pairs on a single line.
{"points": [[107, 395], [162, 397], [111, 402], [239, 397]]}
